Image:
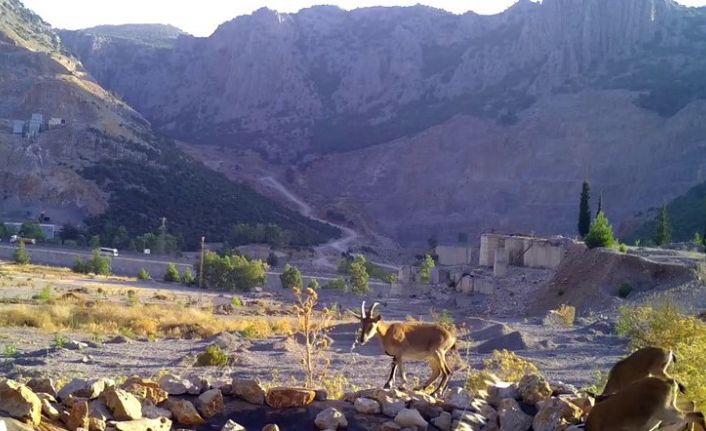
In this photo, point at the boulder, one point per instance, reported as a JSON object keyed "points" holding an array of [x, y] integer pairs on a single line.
{"points": [[366, 406], [283, 397], [42, 385], [391, 406], [443, 421], [585, 403], [151, 411], [513, 342], [19, 402], [231, 425], [270, 427], [534, 388], [95, 424], [249, 390], [10, 424], [390, 426], [78, 417], [555, 414], [426, 409], [174, 385], [90, 389], [75, 345], [210, 403], [156, 424], [511, 417], [330, 418], [184, 412], [145, 389], [458, 398], [123, 405], [98, 409], [49, 409], [411, 418], [198, 384], [500, 391]]}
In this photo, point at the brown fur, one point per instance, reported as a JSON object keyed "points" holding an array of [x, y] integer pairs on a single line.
{"points": [[641, 406], [648, 361], [411, 341]]}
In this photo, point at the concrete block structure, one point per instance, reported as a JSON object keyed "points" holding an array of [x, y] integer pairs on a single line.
{"points": [[530, 252], [450, 255], [18, 127]]}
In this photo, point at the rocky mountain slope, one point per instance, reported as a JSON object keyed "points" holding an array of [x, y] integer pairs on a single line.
{"points": [[455, 123], [104, 163]]}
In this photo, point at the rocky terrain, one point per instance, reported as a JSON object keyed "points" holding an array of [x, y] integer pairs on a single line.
{"points": [[459, 123], [101, 162]]}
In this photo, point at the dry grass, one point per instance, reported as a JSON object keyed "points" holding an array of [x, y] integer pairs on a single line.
{"points": [[138, 319], [504, 365]]}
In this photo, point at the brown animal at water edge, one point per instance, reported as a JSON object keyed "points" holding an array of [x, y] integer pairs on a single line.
{"points": [[409, 341]]}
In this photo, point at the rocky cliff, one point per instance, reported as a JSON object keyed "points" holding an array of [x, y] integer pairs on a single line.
{"points": [[99, 159], [458, 122]]}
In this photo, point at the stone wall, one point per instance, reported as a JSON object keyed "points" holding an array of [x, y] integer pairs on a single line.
{"points": [[449, 255]]}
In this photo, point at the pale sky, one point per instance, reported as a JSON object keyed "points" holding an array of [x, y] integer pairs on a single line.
{"points": [[201, 17]]}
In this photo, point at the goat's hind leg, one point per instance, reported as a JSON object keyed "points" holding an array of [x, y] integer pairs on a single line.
{"points": [[435, 372]]}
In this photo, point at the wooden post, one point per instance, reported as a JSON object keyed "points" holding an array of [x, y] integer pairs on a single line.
{"points": [[203, 248]]}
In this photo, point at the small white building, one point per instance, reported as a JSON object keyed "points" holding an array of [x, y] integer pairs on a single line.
{"points": [[18, 127]]}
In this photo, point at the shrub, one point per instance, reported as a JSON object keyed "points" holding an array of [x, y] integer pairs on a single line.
{"points": [[214, 356], [623, 248], [444, 318], [312, 328], [664, 325], [567, 314], [313, 284], [172, 274], [624, 290], [10, 350], [338, 283], [31, 230], [231, 272], [99, 265], [236, 301], [21, 255], [503, 364], [187, 277], [143, 275], [425, 268], [291, 277], [60, 341], [46, 295], [601, 233]]}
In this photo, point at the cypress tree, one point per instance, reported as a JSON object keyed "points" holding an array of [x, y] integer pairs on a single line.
{"points": [[663, 235], [600, 204], [585, 210]]}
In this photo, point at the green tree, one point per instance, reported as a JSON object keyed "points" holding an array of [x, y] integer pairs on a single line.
{"points": [[697, 240], [100, 265], [663, 236], [121, 238], [32, 230], [291, 277], [21, 255], [69, 232], [187, 277], [601, 233], [231, 272], [172, 275], [313, 284], [584, 224], [426, 267], [359, 275]]}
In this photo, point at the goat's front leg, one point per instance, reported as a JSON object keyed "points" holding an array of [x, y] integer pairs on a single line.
{"points": [[391, 379]]}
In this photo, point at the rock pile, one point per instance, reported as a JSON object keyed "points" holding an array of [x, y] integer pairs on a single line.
{"points": [[175, 401]]}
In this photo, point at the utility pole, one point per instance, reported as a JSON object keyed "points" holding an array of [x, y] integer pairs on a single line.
{"points": [[203, 248]]}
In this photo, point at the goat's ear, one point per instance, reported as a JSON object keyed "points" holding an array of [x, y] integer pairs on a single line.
{"points": [[377, 318]]}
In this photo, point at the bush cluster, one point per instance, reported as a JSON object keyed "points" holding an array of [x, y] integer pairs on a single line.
{"points": [[99, 265]]}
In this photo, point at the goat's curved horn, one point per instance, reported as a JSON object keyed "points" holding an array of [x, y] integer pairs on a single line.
{"points": [[372, 308], [362, 309]]}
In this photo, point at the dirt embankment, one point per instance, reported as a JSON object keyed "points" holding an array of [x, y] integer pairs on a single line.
{"points": [[590, 280]]}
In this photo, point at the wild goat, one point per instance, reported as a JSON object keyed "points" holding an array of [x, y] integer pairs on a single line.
{"points": [[644, 405], [410, 341], [646, 362]]}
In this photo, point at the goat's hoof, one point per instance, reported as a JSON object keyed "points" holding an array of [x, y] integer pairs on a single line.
{"points": [[387, 386]]}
